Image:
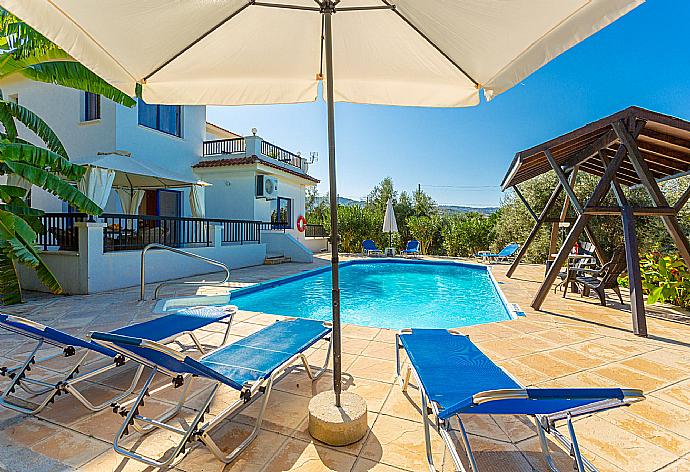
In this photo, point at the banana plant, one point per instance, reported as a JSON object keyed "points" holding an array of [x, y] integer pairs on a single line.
{"points": [[25, 52]]}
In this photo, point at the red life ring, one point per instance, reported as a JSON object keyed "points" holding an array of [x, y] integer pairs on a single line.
{"points": [[301, 224]]}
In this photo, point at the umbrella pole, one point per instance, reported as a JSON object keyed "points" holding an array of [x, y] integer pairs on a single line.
{"points": [[328, 46]]}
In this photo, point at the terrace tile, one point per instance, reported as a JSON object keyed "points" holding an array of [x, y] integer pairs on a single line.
{"points": [[574, 342]]}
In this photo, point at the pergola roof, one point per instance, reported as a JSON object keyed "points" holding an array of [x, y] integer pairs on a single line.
{"points": [[664, 143]]}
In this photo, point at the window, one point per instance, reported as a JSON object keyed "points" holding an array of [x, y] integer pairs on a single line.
{"points": [[92, 106], [282, 212], [165, 118]]}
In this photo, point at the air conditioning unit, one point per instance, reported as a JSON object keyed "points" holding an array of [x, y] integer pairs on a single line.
{"points": [[266, 187]]}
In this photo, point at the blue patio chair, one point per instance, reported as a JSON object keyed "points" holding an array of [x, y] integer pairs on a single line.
{"points": [[412, 248], [369, 248], [505, 255], [250, 366], [454, 377], [165, 329]]}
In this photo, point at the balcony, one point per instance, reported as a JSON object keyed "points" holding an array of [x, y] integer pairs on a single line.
{"points": [[255, 146]]}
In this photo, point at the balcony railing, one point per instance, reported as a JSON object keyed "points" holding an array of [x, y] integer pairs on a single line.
{"points": [[223, 146], [240, 231], [59, 231], [239, 145], [282, 155], [133, 232], [315, 231]]}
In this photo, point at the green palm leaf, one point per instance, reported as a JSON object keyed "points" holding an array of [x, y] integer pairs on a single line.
{"points": [[26, 237], [10, 290], [10, 64], [39, 157], [55, 185], [34, 123], [10, 192], [77, 76], [21, 38], [7, 121], [18, 245]]}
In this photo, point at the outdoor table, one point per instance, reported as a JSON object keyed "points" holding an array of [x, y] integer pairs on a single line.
{"points": [[389, 252]]}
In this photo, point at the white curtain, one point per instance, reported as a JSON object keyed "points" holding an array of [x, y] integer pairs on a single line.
{"points": [[96, 184], [197, 200], [130, 199]]}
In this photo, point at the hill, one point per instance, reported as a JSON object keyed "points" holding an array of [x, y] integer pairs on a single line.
{"points": [[444, 208]]}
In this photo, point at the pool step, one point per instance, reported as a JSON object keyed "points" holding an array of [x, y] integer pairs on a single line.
{"points": [[271, 259]]}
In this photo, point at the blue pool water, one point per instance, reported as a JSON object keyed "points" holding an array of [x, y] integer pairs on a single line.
{"points": [[386, 294]]}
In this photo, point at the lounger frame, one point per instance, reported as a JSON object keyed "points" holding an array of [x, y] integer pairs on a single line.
{"points": [[70, 378], [197, 429], [545, 424]]}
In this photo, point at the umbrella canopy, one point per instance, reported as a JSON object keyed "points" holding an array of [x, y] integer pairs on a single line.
{"points": [[395, 52], [389, 223], [131, 173]]}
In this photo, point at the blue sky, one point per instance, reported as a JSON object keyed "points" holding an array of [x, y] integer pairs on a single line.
{"points": [[642, 59]]}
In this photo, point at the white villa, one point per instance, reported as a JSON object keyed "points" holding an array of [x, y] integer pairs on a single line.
{"points": [[163, 174]]}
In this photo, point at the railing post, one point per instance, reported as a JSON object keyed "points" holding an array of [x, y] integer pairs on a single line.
{"points": [[252, 146]]}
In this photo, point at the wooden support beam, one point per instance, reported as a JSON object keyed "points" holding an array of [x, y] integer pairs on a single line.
{"points": [[599, 192], [637, 211], [670, 222], [635, 279], [564, 182], [552, 273], [523, 249], [553, 243], [664, 137], [525, 202], [591, 150], [615, 186], [679, 157], [683, 199]]}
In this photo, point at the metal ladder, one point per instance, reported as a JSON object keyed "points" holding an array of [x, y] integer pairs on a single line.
{"points": [[142, 295]]}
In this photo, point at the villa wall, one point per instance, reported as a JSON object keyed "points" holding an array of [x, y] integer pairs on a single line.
{"points": [[231, 194]]}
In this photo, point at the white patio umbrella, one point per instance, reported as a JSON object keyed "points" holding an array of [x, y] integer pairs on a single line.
{"points": [[437, 53], [390, 226]]}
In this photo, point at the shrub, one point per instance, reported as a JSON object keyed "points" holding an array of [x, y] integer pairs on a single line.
{"points": [[665, 279]]}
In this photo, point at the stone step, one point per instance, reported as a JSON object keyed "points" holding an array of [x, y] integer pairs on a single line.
{"points": [[276, 259]]}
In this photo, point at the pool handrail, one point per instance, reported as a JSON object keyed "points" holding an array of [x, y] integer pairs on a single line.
{"points": [[142, 294]]}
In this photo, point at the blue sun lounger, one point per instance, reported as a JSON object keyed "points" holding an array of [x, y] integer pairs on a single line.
{"points": [[454, 377], [504, 254], [412, 248], [369, 248], [250, 365], [165, 329]]}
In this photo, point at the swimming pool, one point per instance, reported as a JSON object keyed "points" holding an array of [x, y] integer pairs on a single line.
{"points": [[386, 294]]}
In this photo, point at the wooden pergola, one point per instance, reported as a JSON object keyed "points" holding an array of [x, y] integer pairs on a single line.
{"points": [[634, 147]]}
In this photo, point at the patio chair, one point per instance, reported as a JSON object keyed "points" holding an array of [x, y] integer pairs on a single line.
{"points": [[505, 255], [369, 248], [603, 279], [165, 330], [412, 248], [586, 259], [250, 366], [463, 380]]}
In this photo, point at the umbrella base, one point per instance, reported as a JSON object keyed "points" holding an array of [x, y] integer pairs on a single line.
{"points": [[337, 426]]}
